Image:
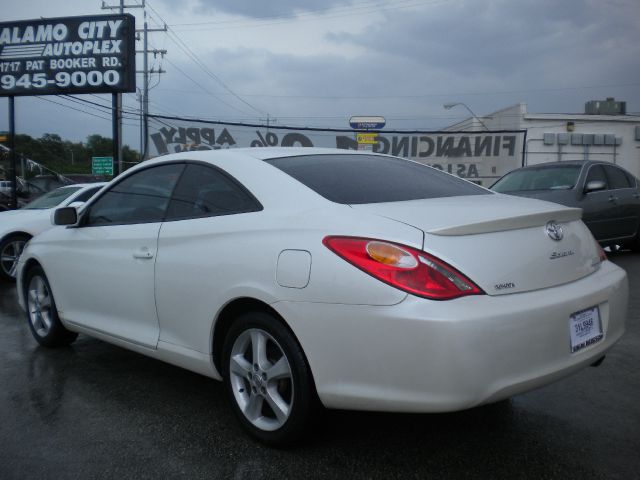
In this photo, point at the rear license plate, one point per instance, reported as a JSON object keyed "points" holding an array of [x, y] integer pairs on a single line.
{"points": [[585, 328]]}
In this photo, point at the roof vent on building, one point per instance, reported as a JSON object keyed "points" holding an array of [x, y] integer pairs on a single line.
{"points": [[605, 107]]}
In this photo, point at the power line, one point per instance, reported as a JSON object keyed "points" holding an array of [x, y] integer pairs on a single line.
{"points": [[132, 115], [423, 95], [76, 109], [202, 66], [203, 88], [72, 108], [185, 48], [312, 129]]}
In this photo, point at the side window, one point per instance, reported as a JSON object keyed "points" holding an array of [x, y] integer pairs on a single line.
{"points": [[139, 198], [205, 191], [596, 172], [617, 177], [87, 194]]}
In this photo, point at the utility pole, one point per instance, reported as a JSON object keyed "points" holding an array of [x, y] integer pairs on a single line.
{"points": [[144, 98], [12, 153], [269, 120], [116, 103]]}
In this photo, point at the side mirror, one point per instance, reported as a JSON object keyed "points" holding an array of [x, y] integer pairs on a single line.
{"points": [[65, 216], [594, 186]]}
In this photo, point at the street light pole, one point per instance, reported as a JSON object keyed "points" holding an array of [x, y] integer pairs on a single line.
{"points": [[449, 106]]}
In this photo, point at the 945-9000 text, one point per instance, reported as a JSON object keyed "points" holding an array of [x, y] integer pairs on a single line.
{"points": [[61, 79]]}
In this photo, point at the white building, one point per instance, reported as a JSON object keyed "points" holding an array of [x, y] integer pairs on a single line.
{"points": [[553, 137]]}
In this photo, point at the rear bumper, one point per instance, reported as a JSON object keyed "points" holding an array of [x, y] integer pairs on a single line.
{"points": [[427, 356]]}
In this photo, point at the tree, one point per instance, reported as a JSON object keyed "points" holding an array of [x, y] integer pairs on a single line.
{"points": [[99, 146], [66, 157], [51, 146]]}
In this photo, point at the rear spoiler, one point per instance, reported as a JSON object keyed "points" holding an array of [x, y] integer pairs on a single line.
{"points": [[510, 223]]}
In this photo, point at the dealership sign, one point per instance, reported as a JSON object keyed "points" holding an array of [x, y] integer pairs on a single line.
{"points": [[70, 55]]}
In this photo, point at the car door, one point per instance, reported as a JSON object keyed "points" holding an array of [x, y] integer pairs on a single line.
{"points": [[625, 195], [204, 244], [600, 209], [103, 271]]}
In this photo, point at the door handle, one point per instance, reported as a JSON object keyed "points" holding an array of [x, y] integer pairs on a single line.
{"points": [[143, 253], [612, 198]]}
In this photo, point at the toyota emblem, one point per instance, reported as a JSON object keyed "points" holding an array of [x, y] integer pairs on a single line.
{"points": [[554, 231]]}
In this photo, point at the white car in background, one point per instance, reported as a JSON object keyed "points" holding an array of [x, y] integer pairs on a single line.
{"points": [[306, 276], [18, 226], [5, 187]]}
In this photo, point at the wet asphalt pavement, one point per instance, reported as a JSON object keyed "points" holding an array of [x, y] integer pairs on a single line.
{"points": [[97, 411]]}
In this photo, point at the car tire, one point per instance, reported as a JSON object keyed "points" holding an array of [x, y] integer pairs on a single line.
{"points": [[272, 395], [42, 314], [10, 250]]}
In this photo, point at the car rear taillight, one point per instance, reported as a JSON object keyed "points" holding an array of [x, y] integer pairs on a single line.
{"points": [[403, 267]]}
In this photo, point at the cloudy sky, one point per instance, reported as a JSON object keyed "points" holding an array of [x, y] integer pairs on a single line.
{"points": [[317, 62]]}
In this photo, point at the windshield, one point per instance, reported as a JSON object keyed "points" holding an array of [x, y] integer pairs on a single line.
{"points": [[359, 179], [562, 177], [52, 199]]}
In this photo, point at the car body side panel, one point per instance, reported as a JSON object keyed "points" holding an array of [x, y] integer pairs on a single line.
{"points": [[601, 215], [205, 263], [29, 222], [628, 201]]}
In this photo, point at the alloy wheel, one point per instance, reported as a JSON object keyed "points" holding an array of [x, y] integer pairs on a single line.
{"points": [[261, 379], [10, 255], [39, 306]]}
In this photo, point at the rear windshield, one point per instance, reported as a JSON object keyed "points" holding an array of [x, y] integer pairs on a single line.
{"points": [[358, 179], [544, 178]]}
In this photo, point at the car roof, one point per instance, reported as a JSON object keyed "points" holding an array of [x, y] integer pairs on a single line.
{"points": [[568, 163], [576, 163], [254, 153], [265, 181]]}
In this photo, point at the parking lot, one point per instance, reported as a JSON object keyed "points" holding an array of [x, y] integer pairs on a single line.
{"points": [[97, 411]]}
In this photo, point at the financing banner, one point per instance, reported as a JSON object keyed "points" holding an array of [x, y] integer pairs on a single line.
{"points": [[481, 156]]}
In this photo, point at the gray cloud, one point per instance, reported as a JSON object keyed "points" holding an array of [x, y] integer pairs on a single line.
{"points": [[500, 37], [489, 54], [260, 9]]}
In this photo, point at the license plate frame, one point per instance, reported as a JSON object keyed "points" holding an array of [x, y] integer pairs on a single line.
{"points": [[585, 329]]}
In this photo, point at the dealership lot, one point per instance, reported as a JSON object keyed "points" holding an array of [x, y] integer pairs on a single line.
{"points": [[97, 411]]}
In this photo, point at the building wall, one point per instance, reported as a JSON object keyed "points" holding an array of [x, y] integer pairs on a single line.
{"points": [[609, 141], [551, 137]]}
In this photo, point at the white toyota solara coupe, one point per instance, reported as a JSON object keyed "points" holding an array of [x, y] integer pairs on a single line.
{"points": [[309, 277]]}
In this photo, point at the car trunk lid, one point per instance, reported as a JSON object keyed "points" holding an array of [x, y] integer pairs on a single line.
{"points": [[500, 242]]}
